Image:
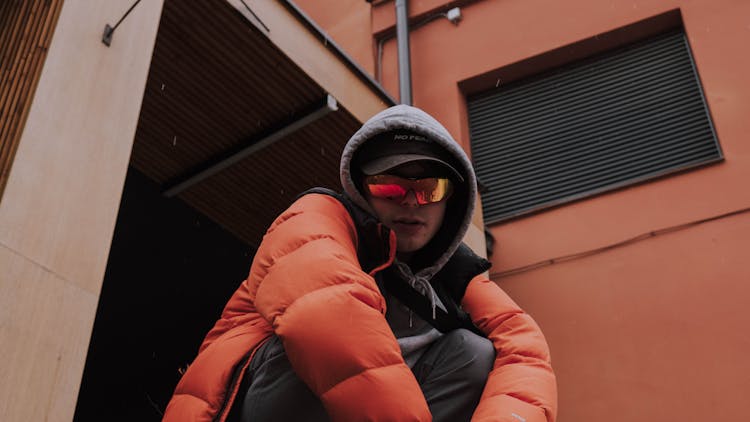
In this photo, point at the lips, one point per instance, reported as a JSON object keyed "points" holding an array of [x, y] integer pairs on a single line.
{"points": [[407, 224]]}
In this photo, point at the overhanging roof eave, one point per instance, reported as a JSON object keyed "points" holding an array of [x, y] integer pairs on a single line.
{"points": [[306, 45]]}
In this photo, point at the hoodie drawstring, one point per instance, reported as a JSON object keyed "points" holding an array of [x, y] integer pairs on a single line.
{"points": [[419, 282]]}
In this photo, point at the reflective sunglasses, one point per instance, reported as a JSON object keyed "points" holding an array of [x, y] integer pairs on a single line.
{"points": [[427, 191]]}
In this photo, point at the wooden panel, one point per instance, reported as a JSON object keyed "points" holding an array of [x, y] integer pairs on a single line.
{"points": [[61, 197], [311, 55], [220, 85], [26, 28], [46, 324]]}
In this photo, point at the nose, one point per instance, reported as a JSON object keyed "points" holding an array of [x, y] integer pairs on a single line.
{"points": [[410, 200]]}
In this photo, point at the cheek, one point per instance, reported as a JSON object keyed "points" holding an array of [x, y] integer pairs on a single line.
{"points": [[436, 215], [380, 207]]}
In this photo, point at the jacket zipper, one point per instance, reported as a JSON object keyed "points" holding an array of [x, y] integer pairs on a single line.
{"points": [[221, 416]]}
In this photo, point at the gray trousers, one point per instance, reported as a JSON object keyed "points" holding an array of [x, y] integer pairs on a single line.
{"points": [[451, 373]]}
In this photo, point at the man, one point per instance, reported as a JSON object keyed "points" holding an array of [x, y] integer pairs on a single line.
{"points": [[367, 306]]}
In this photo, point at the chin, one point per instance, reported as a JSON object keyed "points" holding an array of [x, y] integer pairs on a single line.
{"points": [[410, 247]]}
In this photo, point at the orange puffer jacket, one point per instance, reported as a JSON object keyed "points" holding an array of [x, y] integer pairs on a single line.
{"points": [[306, 285]]}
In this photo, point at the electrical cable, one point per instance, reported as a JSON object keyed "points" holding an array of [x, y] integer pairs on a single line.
{"points": [[584, 254]]}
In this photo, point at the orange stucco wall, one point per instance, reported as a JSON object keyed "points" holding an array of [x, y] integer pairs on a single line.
{"points": [[348, 24], [653, 330]]}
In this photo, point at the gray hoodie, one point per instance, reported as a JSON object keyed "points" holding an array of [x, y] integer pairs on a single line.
{"points": [[412, 332]]}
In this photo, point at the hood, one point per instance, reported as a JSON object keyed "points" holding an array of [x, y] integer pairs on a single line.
{"points": [[428, 261]]}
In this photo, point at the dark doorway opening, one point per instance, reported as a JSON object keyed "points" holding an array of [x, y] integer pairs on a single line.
{"points": [[170, 272]]}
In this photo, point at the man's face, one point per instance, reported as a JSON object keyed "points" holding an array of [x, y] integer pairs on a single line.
{"points": [[415, 225]]}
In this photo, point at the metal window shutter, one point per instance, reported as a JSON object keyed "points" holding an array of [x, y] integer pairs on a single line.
{"points": [[620, 118]]}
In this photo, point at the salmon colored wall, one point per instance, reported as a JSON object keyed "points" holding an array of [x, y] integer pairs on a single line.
{"points": [[657, 329], [654, 331], [348, 23]]}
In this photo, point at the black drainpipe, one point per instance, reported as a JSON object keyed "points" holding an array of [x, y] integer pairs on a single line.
{"points": [[404, 61]]}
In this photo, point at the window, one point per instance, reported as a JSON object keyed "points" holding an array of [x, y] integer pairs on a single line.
{"points": [[613, 120]]}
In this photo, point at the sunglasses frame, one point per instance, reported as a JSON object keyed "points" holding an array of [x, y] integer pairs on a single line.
{"points": [[410, 185]]}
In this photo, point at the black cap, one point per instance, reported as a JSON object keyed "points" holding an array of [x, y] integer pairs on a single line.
{"points": [[392, 149]]}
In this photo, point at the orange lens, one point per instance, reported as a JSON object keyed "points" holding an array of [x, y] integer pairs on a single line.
{"points": [[387, 191], [427, 190]]}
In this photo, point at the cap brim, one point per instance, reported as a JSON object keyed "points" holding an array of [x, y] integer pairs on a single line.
{"points": [[383, 164]]}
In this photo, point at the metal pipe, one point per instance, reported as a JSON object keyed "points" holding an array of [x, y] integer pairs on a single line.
{"points": [[404, 60], [391, 34]]}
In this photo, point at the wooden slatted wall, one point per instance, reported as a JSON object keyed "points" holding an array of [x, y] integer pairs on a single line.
{"points": [[26, 28]]}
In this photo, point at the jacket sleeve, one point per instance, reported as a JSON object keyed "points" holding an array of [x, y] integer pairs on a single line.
{"points": [[521, 385], [329, 313]]}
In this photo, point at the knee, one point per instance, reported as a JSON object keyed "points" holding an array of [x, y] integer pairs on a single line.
{"points": [[478, 353]]}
